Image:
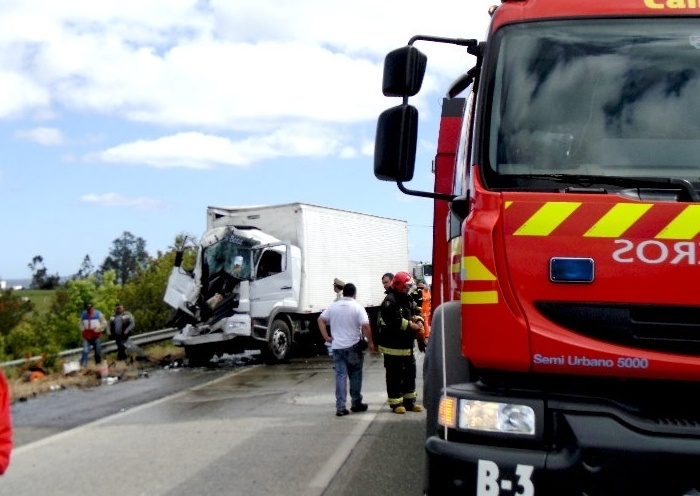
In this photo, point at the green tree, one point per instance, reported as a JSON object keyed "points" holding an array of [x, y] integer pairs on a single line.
{"points": [[143, 296], [86, 269], [13, 308], [103, 294], [57, 329], [126, 257], [40, 277]]}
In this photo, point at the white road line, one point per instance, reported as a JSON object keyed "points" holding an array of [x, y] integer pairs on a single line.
{"points": [[336, 460]]}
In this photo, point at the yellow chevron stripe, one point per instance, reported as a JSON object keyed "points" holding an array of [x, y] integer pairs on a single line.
{"points": [[478, 297], [456, 246], [547, 218], [685, 226], [475, 270], [618, 219]]}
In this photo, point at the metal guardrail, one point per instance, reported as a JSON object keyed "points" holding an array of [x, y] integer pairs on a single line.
{"points": [[107, 346]]}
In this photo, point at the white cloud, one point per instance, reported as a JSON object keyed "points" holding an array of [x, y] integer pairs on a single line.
{"points": [[200, 151], [254, 69], [47, 136], [117, 200], [222, 64], [20, 94]]}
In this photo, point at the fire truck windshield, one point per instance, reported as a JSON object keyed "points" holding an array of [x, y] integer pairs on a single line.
{"points": [[595, 98]]}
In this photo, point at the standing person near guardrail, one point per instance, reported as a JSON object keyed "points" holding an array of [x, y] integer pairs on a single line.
{"points": [[5, 424], [121, 324], [92, 323]]}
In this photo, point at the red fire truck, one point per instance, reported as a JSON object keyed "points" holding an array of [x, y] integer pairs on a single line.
{"points": [[565, 348]]}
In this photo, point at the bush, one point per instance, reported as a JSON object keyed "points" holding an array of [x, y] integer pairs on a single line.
{"points": [[13, 308]]}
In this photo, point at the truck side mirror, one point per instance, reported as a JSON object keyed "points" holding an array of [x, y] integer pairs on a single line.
{"points": [[404, 69], [395, 144]]}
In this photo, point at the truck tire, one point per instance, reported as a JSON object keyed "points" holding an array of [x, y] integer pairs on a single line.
{"points": [[198, 356], [457, 367], [279, 342]]}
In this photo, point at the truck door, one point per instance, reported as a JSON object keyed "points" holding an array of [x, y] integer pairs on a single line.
{"points": [[183, 288], [273, 282]]}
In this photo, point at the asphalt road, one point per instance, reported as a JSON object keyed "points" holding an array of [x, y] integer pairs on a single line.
{"points": [[238, 430]]}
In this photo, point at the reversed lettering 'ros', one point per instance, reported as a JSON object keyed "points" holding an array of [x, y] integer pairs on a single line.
{"points": [[655, 252]]}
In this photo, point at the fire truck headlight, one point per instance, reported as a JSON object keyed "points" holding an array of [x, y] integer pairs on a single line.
{"points": [[488, 416]]}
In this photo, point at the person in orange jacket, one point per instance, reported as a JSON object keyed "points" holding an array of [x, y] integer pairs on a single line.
{"points": [[5, 424], [425, 308]]}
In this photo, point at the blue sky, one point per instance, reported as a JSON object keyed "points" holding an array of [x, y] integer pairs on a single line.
{"points": [[135, 115]]}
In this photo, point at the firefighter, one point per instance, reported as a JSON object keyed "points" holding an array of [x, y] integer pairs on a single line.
{"points": [[399, 326], [423, 302]]}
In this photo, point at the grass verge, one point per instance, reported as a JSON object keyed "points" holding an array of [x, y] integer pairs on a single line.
{"points": [[28, 382]]}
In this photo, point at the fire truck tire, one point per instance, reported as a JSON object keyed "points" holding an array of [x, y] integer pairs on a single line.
{"points": [[279, 342], [457, 367]]}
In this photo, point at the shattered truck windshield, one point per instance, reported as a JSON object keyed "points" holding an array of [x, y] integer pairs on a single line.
{"points": [[580, 102], [230, 255]]}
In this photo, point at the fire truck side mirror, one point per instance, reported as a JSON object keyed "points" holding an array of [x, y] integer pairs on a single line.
{"points": [[395, 144], [404, 69], [460, 207]]}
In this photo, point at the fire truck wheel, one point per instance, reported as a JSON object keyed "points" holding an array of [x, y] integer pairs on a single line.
{"points": [[279, 342], [457, 367]]}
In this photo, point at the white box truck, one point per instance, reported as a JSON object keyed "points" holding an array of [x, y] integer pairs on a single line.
{"points": [[263, 274]]}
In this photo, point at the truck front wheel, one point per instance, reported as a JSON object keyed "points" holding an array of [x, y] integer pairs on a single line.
{"points": [[279, 342], [199, 355]]}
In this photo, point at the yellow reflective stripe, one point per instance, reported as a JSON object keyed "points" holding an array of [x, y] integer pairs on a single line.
{"points": [[479, 297], [547, 218], [685, 226], [618, 219], [476, 271], [395, 352], [404, 324], [395, 401], [410, 396], [508, 203]]}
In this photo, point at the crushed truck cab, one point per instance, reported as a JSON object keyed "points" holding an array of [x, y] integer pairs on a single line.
{"points": [[263, 275], [564, 356]]}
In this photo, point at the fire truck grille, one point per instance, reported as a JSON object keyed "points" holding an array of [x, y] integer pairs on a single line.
{"points": [[674, 329]]}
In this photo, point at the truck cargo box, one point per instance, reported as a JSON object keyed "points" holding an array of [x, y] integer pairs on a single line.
{"points": [[351, 246]]}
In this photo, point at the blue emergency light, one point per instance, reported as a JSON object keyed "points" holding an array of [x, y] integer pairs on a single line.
{"points": [[571, 269]]}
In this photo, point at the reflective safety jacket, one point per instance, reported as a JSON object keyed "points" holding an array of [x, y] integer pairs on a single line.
{"points": [[395, 336]]}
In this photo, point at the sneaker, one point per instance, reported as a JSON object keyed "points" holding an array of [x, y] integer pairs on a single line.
{"points": [[399, 409], [360, 407], [342, 413]]}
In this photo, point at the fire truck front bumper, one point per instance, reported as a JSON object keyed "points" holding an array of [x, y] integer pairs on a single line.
{"points": [[595, 455]]}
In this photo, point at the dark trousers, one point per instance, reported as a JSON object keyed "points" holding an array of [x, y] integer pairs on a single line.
{"points": [[120, 341], [400, 380]]}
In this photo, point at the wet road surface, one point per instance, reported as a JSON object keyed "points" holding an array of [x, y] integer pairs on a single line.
{"points": [[242, 430]]}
